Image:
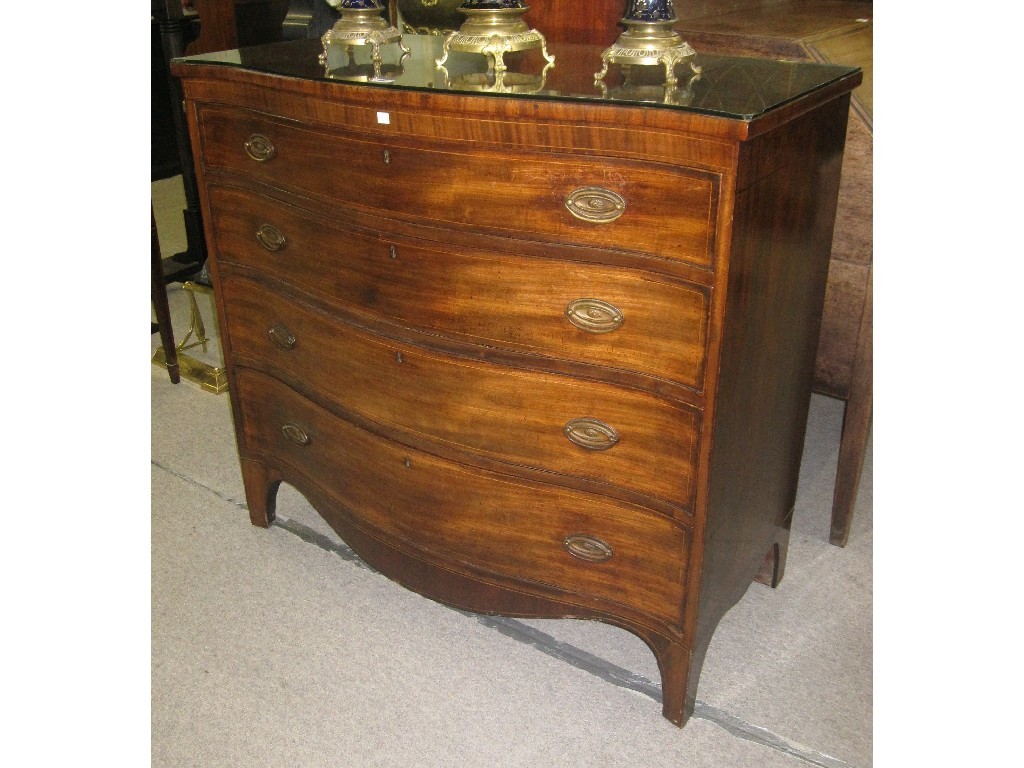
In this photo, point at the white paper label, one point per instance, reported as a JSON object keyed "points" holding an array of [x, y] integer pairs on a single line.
{"points": [[384, 118]]}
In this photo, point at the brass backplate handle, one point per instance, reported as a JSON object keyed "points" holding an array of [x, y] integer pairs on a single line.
{"points": [[270, 237], [591, 434], [587, 547], [259, 148], [295, 434], [596, 205], [594, 315], [282, 337]]}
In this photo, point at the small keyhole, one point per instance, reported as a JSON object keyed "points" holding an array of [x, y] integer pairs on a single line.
{"points": [[394, 252], [407, 462], [387, 157], [399, 357]]}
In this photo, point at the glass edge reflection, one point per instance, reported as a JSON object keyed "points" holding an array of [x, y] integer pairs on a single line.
{"points": [[221, 58]]}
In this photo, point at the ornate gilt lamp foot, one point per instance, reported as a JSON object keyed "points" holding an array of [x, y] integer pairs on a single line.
{"points": [[361, 23], [649, 40], [494, 28]]}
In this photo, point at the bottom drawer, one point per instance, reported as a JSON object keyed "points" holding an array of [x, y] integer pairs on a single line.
{"points": [[578, 542]]}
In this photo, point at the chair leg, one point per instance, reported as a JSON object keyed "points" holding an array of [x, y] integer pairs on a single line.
{"points": [[856, 425], [163, 311]]}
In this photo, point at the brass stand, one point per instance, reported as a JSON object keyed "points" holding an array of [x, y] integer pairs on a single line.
{"points": [[649, 43], [494, 32], [363, 26], [212, 378]]}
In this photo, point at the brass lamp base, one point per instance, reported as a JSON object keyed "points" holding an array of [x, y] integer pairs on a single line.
{"points": [[494, 32], [649, 43], [362, 26]]}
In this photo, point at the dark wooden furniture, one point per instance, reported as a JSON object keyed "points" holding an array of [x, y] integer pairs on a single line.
{"points": [[836, 31], [224, 25], [177, 29], [543, 355], [561, 21], [209, 25], [569, 21], [307, 19], [165, 161], [158, 289]]}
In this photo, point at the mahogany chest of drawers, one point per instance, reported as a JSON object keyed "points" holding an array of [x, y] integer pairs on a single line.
{"points": [[541, 354]]}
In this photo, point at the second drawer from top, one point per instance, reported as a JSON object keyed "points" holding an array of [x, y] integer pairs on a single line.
{"points": [[581, 312]]}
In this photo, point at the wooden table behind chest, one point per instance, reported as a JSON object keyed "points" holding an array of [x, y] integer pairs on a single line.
{"points": [[527, 356]]}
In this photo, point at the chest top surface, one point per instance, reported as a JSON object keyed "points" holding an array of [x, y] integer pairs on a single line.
{"points": [[734, 88]]}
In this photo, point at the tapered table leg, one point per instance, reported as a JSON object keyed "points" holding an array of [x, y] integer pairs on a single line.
{"points": [[163, 311], [856, 426]]}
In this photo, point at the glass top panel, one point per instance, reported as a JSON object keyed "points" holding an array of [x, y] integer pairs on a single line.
{"points": [[738, 88]]}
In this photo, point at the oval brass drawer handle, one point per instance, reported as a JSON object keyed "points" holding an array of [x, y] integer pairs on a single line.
{"points": [[587, 547], [591, 434], [281, 337], [595, 204], [295, 434], [594, 315], [259, 148], [270, 237]]}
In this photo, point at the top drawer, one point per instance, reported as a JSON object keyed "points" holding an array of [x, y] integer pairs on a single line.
{"points": [[659, 210]]}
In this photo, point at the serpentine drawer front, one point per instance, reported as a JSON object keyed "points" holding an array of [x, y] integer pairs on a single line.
{"points": [[519, 530], [607, 203], [546, 355], [553, 307], [584, 429]]}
